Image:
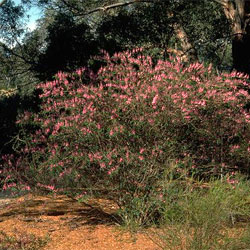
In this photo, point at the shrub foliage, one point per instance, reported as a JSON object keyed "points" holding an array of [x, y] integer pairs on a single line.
{"points": [[132, 122]]}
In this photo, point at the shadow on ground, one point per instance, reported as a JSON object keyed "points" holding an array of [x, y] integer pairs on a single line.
{"points": [[93, 212]]}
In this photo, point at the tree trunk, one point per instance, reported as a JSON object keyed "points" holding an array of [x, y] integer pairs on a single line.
{"points": [[241, 53], [238, 13], [189, 52]]}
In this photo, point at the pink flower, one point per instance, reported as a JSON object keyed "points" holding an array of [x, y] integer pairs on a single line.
{"points": [[102, 165], [200, 90], [155, 100], [141, 158], [142, 150]]}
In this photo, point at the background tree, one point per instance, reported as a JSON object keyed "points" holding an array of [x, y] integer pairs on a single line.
{"points": [[17, 80], [14, 61], [190, 27], [68, 45]]}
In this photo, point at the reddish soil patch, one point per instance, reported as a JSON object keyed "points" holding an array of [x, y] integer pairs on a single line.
{"points": [[69, 224]]}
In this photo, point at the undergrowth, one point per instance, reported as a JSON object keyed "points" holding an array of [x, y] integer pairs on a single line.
{"points": [[213, 215]]}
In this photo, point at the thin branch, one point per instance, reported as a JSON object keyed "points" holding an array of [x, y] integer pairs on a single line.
{"points": [[2, 2], [115, 5], [11, 51], [108, 7]]}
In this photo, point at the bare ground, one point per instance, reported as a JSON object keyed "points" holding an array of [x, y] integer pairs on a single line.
{"points": [[68, 224]]}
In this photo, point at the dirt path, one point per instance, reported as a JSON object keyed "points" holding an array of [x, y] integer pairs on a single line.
{"points": [[68, 224]]}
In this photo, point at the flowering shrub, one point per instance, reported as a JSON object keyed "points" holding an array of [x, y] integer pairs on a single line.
{"points": [[134, 120]]}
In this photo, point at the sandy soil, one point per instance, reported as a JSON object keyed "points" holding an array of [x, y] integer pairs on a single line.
{"points": [[68, 223]]}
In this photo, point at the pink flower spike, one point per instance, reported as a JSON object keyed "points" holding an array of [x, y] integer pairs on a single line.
{"points": [[155, 100]]}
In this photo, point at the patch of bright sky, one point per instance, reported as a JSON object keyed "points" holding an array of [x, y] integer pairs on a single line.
{"points": [[34, 14]]}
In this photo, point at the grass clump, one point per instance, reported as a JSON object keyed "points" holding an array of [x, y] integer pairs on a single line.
{"points": [[204, 216]]}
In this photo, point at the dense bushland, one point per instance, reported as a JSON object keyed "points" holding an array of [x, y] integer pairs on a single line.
{"points": [[134, 122]]}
